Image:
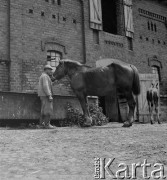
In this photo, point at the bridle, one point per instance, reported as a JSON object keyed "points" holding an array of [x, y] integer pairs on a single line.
{"points": [[62, 67]]}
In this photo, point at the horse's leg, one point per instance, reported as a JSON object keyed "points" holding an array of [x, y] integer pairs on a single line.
{"points": [[157, 114], [87, 113], [150, 111], [151, 114], [131, 104], [84, 104]]}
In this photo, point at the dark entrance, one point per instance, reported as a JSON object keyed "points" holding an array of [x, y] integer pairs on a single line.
{"points": [[109, 16], [102, 104], [110, 108]]}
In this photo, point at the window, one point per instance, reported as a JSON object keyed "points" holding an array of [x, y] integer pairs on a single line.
{"points": [[53, 16], [156, 70], [53, 58], [30, 11], [155, 28], [64, 19], [42, 13], [152, 28], [148, 24], [109, 16], [74, 21]]}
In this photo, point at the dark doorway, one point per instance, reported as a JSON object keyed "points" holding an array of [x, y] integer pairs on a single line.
{"points": [[102, 104], [111, 108], [109, 16]]}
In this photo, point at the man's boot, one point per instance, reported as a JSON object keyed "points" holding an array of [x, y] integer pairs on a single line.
{"points": [[41, 122], [47, 123]]}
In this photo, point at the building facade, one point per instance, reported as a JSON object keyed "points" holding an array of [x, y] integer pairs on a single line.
{"points": [[36, 32]]}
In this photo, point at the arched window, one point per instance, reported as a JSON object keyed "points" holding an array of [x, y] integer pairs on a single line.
{"points": [[156, 70], [148, 24], [152, 26], [155, 27], [53, 58]]}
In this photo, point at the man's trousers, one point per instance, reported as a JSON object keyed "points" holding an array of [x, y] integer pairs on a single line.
{"points": [[46, 110]]}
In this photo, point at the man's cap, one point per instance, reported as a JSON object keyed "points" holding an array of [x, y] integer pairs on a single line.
{"points": [[48, 67]]}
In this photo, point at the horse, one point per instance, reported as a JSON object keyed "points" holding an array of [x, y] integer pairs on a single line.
{"points": [[152, 97], [102, 81]]}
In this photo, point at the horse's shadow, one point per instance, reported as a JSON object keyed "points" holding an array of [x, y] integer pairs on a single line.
{"points": [[104, 127], [117, 126]]}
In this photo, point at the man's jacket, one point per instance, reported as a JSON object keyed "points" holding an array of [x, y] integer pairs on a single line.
{"points": [[45, 85]]}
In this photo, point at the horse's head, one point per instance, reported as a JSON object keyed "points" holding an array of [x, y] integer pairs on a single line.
{"points": [[60, 71], [68, 67], [155, 85]]}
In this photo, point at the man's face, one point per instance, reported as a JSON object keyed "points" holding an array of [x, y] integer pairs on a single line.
{"points": [[49, 72]]}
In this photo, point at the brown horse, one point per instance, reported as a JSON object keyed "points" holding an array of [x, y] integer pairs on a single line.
{"points": [[153, 102], [103, 81]]}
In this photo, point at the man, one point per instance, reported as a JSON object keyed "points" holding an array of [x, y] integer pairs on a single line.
{"points": [[45, 93]]}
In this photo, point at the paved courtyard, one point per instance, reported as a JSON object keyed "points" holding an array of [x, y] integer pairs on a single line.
{"points": [[67, 153]]}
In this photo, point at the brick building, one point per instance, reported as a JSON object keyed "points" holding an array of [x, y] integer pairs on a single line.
{"points": [[36, 32]]}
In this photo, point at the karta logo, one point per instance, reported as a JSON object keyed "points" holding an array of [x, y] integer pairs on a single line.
{"points": [[103, 167]]}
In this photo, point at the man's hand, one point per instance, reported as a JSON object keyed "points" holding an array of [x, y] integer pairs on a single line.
{"points": [[50, 98], [52, 78], [54, 82]]}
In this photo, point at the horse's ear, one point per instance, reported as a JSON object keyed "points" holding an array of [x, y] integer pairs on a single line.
{"points": [[152, 85], [110, 65], [157, 85], [60, 62]]}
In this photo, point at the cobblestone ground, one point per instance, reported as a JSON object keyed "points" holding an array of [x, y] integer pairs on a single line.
{"points": [[68, 153]]}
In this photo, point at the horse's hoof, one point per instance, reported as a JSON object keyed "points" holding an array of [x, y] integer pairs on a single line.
{"points": [[127, 125], [159, 122], [87, 125]]}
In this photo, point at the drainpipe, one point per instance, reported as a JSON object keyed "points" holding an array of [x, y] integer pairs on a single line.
{"points": [[83, 32], [8, 43]]}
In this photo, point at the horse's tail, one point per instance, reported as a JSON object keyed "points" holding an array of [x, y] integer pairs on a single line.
{"points": [[136, 81]]}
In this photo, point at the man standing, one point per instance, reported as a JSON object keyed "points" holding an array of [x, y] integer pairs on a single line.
{"points": [[45, 93]]}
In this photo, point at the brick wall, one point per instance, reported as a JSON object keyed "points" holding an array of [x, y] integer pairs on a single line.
{"points": [[146, 42], [4, 86], [32, 35], [3, 29]]}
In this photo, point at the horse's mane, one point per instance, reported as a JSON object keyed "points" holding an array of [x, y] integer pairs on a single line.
{"points": [[75, 63], [71, 62]]}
